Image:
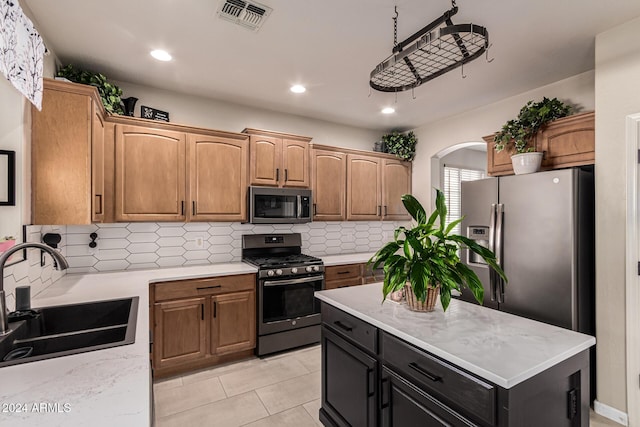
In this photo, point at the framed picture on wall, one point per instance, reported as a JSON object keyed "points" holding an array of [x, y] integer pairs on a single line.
{"points": [[7, 178]]}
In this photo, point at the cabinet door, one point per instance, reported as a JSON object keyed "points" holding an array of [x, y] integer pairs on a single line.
{"points": [[233, 323], [179, 332], [349, 378], [295, 161], [150, 174], [404, 405], [329, 180], [569, 141], [363, 188], [265, 160], [97, 164], [396, 181], [61, 157], [217, 178]]}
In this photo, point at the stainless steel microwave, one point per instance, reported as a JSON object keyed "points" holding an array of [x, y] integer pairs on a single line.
{"points": [[269, 205]]}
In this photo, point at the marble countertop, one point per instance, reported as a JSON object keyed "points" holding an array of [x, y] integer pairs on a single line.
{"points": [[500, 347], [98, 388], [330, 260]]}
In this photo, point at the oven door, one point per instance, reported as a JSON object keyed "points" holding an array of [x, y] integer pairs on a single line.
{"points": [[285, 304]]}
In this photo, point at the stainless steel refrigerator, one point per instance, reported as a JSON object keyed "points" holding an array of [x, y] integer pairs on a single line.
{"points": [[541, 227]]}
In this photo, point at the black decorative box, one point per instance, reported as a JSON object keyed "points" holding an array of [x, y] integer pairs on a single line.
{"points": [[153, 114]]}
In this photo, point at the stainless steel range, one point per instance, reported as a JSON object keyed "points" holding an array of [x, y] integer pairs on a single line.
{"points": [[288, 314]]}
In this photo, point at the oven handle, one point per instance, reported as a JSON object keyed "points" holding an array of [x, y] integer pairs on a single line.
{"points": [[299, 205], [292, 281]]}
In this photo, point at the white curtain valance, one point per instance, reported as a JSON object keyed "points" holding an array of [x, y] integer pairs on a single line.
{"points": [[21, 51]]}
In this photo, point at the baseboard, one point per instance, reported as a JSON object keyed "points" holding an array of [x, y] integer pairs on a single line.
{"points": [[611, 413]]}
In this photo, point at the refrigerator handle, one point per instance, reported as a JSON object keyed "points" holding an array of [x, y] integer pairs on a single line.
{"points": [[492, 238], [498, 245]]}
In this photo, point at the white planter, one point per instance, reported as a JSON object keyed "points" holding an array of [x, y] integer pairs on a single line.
{"points": [[526, 163]]}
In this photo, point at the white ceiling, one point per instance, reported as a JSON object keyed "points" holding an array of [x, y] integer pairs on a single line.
{"points": [[330, 46]]}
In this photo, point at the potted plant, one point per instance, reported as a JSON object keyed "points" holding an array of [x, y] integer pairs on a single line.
{"points": [[518, 133], [400, 144], [109, 93], [424, 260]]}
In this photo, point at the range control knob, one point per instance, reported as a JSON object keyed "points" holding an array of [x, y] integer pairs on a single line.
{"points": [[316, 268], [309, 269], [270, 273], [278, 272], [294, 270]]}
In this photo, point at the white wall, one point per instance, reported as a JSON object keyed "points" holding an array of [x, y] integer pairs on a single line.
{"points": [[617, 90], [472, 125], [209, 113]]}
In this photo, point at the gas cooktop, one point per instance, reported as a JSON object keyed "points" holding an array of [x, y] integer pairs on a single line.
{"points": [[275, 261]]}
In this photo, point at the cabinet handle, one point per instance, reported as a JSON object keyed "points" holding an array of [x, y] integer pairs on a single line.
{"points": [[215, 309], [379, 210], [342, 326], [424, 372], [277, 174], [315, 209], [193, 208], [544, 155], [385, 392], [182, 208], [286, 175], [344, 272], [98, 204], [370, 382], [385, 210], [202, 311], [209, 287]]}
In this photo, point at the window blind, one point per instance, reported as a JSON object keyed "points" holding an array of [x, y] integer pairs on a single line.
{"points": [[452, 191]]}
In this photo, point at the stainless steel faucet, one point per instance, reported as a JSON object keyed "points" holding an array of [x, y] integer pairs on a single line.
{"points": [[57, 257]]}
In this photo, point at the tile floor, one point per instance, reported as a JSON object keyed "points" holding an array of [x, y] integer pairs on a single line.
{"points": [[277, 391]]}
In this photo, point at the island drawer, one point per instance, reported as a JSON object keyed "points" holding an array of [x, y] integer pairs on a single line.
{"points": [[204, 286], [351, 327], [445, 381]]}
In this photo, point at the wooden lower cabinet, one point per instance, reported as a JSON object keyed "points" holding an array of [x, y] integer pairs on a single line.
{"points": [[202, 322], [341, 276], [233, 325]]}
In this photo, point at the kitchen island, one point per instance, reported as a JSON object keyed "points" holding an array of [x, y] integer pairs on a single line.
{"points": [[383, 364]]}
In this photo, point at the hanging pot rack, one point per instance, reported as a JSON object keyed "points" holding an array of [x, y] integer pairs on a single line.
{"points": [[434, 50]]}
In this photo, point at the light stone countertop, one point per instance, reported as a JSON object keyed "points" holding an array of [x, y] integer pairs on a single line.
{"points": [[497, 346], [330, 260], [109, 387]]}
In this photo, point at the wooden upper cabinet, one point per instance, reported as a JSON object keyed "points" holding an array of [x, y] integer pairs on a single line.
{"points": [[150, 174], [66, 182], [396, 181], [217, 168], [566, 142], [266, 160], [278, 159], [364, 185], [329, 185]]}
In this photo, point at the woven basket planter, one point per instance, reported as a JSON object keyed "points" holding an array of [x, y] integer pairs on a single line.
{"points": [[429, 303]]}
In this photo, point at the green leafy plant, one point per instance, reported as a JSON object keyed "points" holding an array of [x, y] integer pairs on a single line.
{"points": [[109, 93], [534, 115], [427, 255], [400, 144]]}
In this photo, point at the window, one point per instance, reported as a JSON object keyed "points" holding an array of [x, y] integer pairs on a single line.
{"points": [[452, 190]]}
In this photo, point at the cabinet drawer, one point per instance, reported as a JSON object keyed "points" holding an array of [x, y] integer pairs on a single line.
{"points": [[204, 286], [334, 284], [452, 385], [347, 325], [341, 272]]}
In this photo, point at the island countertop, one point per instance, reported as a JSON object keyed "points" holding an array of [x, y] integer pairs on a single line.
{"points": [[497, 346]]}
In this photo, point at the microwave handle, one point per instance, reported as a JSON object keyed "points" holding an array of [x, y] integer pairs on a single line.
{"points": [[299, 197]]}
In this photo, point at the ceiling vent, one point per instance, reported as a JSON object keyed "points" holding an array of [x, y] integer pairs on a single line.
{"points": [[246, 14]]}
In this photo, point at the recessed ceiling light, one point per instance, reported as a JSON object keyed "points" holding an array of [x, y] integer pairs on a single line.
{"points": [[388, 110], [298, 89], [161, 55]]}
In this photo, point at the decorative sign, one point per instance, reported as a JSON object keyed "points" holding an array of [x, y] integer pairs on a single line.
{"points": [[21, 52], [153, 114]]}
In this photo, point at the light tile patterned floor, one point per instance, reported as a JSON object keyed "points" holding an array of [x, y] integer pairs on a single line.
{"points": [[276, 391]]}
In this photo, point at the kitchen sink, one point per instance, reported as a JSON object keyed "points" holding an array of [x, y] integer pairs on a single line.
{"points": [[69, 329]]}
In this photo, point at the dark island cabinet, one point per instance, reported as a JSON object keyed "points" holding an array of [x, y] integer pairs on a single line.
{"points": [[372, 378]]}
